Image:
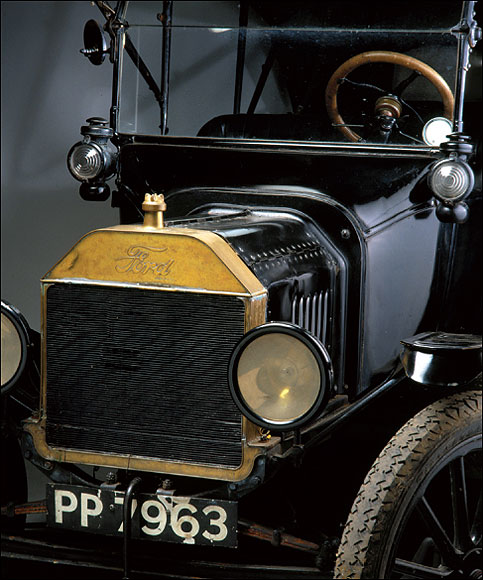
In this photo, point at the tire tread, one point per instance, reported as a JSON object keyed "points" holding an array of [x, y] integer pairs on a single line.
{"points": [[405, 452]]}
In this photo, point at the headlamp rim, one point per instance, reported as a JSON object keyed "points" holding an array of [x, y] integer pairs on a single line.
{"points": [[462, 196], [101, 152], [24, 332], [317, 349]]}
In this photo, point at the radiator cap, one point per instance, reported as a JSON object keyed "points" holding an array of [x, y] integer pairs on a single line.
{"points": [[153, 207]]}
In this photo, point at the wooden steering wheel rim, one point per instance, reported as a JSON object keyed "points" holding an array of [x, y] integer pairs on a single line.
{"points": [[392, 58]]}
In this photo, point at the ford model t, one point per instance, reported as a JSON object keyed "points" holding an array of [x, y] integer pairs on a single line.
{"points": [[272, 365]]}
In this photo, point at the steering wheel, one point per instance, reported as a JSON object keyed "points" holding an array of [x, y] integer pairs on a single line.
{"points": [[386, 56]]}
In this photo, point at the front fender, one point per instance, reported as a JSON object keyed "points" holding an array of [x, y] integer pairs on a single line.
{"points": [[442, 358]]}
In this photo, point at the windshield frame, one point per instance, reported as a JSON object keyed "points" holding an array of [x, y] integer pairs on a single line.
{"points": [[118, 27]]}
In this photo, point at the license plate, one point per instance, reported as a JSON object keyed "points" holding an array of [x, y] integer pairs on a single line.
{"points": [[187, 520]]}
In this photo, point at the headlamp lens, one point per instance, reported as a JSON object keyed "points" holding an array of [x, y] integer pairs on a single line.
{"points": [[278, 377], [85, 161], [11, 350], [451, 180]]}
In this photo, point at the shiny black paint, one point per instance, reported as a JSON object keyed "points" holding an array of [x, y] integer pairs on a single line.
{"points": [[377, 212], [346, 176], [304, 273], [459, 262], [442, 358]]}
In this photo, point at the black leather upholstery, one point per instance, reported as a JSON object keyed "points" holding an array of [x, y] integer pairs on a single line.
{"points": [[286, 126]]}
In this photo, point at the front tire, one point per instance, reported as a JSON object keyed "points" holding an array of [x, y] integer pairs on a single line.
{"points": [[418, 512]]}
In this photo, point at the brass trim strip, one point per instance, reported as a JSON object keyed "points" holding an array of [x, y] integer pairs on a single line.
{"points": [[149, 287], [37, 430]]}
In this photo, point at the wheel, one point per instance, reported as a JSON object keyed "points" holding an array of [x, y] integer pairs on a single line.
{"points": [[389, 57], [418, 512]]}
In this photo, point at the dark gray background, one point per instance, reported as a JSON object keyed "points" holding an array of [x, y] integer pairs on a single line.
{"points": [[48, 90]]}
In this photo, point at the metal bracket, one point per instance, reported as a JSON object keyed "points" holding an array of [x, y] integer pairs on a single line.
{"points": [[126, 518], [55, 471], [240, 488]]}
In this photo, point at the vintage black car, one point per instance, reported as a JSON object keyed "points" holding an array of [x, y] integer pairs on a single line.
{"points": [[285, 323]]}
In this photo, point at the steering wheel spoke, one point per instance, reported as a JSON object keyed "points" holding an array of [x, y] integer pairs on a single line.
{"points": [[403, 85], [418, 69]]}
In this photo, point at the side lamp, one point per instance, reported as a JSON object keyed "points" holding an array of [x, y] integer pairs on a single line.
{"points": [[93, 160]]}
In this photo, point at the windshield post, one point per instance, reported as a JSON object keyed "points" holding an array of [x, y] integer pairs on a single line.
{"points": [[116, 27], [114, 19], [468, 35], [166, 18], [266, 68], [116, 78], [240, 57]]}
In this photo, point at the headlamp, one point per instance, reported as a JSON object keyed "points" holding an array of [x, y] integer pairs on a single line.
{"points": [[451, 180], [280, 375], [15, 343]]}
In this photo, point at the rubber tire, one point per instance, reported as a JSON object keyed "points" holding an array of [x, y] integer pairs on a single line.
{"points": [[395, 478]]}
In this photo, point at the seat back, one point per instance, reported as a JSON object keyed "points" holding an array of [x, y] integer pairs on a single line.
{"points": [[279, 127]]}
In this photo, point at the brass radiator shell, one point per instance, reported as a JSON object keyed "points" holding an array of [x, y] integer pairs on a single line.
{"points": [[162, 260]]}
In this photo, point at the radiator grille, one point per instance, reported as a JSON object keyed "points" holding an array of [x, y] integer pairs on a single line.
{"points": [[142, 372]]}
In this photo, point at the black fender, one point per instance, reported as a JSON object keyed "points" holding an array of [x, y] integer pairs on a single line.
{"points": [[442, 358]]}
